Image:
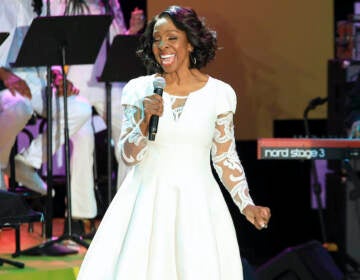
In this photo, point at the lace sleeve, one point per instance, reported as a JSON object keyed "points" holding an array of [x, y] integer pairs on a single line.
{"points": [[133, 144], [227, 163]]}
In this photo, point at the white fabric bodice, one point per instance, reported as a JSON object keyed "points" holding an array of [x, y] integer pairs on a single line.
{"points": [[183, 143]]}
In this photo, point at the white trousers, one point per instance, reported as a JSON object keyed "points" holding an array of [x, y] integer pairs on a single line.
{"points": [[15, 111], [83, 202], [79, 111]]}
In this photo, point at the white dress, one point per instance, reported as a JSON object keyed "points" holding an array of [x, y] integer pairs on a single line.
{"points": [[169, 220]]}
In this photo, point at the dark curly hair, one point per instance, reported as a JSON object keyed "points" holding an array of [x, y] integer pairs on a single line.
{"points": [[202, 39]]}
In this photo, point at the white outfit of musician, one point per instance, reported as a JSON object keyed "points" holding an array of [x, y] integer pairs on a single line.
{"points": [[169, 219], [15, 17], [15, 111], [84, 78]]}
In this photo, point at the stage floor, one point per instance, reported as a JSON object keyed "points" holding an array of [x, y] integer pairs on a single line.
{"points": [[38, 267]]}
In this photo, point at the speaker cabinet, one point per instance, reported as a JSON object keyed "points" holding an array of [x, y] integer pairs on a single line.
{"points": [[341, 79], [343, 225], [308, 261], [352, 232]]}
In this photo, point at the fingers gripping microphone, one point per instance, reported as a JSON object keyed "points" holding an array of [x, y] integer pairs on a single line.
{"points": [[159, 84]]}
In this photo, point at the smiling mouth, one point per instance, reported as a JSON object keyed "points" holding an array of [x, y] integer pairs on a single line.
{"points": [[167, 59]]}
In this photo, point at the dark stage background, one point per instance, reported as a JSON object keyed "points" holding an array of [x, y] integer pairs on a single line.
{"points": [[284, 186]]}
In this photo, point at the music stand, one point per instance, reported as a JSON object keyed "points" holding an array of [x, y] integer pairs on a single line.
{"points": [[121, 65], [3, 36], [61, 40]]}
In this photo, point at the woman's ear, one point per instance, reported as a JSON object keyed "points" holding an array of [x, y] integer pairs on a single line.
{"points": [[190, 48]]}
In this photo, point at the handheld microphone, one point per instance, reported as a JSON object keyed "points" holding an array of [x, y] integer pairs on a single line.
{"points": [[159, 84]]}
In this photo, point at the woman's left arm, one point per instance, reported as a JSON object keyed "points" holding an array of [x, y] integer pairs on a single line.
{"points": [[227, 163], [231, 172]]}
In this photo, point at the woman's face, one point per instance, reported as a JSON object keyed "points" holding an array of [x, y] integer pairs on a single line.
{"points": [[170, 47]]}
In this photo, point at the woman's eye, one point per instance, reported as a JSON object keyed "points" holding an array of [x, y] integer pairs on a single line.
{"points": [[172, 38]]}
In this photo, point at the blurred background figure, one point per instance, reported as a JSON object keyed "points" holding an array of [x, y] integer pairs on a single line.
{"points": [[84, 77], [25, 95]]}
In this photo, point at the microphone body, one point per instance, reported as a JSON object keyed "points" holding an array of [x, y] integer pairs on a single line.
{"points": [[159, 84]]}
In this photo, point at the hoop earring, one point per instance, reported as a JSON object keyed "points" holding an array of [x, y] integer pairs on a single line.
{"points": [[157, 65], [193, 59]]}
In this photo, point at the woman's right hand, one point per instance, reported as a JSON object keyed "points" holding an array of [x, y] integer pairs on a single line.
{"points": [[153, 105]]}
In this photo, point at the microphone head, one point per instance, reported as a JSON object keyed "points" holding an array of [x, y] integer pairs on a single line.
{"points": [[159, 82]]}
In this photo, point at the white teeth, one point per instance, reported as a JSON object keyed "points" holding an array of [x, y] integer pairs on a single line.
{"points": [[167, 55]]}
